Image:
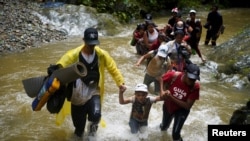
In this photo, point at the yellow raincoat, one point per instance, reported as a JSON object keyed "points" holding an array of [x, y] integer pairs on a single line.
{"points": [[104, 60]]}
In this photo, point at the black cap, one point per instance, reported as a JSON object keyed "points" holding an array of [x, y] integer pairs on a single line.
{"points": [[148, 17], [91, 36], [179, 32], [193, 71]]}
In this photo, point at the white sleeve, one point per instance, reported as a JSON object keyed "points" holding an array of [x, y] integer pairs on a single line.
{"points": [[169, 47], [165, 46], [152, 99], [132, 99]]}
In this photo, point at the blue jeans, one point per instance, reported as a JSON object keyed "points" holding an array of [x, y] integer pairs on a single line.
{"points": [[135, 125]]}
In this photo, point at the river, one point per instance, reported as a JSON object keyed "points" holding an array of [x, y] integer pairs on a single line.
{"points": [[18, 121]]}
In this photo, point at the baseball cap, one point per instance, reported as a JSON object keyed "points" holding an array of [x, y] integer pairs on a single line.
{"points": [[148, 17], [179, 32], [91, 36], [193, 71], [192, 11], [162, 52], [141, 88], [180, 25]]}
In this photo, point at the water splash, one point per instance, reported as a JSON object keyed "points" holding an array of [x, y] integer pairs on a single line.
{"points": [[73, 20], [69, 18]]}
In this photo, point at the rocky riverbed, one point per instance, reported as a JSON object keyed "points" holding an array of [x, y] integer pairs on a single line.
{"points": [[20, 29]]}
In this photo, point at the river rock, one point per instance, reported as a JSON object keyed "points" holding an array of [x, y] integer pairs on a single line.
{"points": [[21, 29]]}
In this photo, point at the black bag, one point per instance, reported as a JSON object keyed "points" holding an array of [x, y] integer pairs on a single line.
{"points": [[55, 102], [207, 25]]}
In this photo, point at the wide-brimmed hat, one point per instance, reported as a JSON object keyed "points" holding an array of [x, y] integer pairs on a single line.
{"points": [[91, 36]]}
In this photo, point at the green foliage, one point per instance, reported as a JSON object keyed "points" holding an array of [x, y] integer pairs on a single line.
{"points": [[86, 2], [125, 10], [189, 3], [228, 68], [245, 71]]}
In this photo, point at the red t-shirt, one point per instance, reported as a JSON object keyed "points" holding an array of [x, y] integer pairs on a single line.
{"points": [[179, 90], [137, 35]]}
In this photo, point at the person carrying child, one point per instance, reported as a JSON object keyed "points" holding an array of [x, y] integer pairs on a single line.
{"points": [[141, 105]]}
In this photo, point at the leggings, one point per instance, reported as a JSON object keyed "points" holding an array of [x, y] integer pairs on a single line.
{"points": [[79, 114], [179, 116]]}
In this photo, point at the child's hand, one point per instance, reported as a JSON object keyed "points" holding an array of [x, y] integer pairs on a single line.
{"points": [[165, 94], [122, 88], [137, 64]]}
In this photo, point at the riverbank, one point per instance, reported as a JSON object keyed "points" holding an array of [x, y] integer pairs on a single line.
{"points": [[21, 29]]}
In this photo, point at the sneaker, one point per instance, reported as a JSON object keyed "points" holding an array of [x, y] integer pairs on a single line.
{"points": [[92, 129], [77, 133]]}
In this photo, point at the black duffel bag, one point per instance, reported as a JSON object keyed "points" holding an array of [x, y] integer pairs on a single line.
{"points": [[55, 102]]}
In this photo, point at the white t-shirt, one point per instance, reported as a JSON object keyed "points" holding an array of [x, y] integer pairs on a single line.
{"points": [[152, 37], [81, 93]]}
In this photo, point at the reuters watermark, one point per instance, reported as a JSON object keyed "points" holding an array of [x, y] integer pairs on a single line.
{"points": [[239, 132]]}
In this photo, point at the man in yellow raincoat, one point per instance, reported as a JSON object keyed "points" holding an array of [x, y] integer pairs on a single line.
{"points": [[87, 92]]}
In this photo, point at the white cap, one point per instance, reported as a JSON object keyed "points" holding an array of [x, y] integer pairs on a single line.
{"points": [[141, 88], [162, 52], [179, 25], [192, 11]]}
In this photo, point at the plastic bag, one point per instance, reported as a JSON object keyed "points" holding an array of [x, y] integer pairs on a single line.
{"points": [[133, 42]]}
